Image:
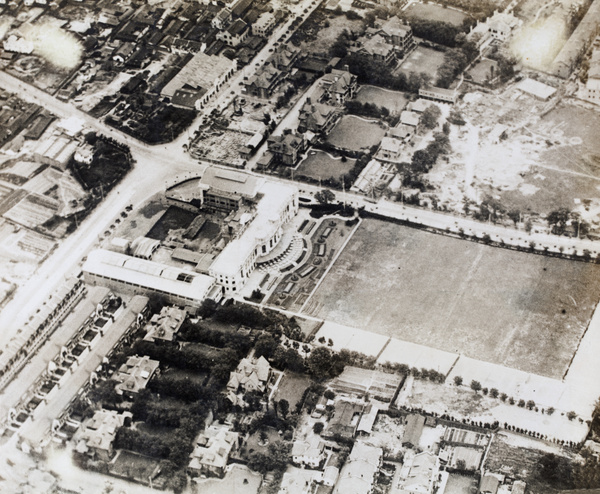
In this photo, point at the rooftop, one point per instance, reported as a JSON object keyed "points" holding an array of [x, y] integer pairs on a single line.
{"points": [[202, 71], [153, 275]]}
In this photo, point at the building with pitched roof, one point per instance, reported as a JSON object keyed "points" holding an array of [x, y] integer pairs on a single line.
{"points": [[308, 453], [287, 148], [97, 435], [134, 375], [164, 326], [212, 449], [317, 117], [250, 375], [419, 474], [377, 48], [222, 19], [275, 70], [237, 32], [412, 430], [340, 86], [358, 473]]}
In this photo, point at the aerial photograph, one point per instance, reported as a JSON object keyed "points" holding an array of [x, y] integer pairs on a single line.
{"points": [[300, 246]]}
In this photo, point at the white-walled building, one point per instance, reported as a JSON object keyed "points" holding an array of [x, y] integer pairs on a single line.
{"points": [[260, 209], [127, 274]]}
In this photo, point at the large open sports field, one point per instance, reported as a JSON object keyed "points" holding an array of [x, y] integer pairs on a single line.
{"points": [[516, 309]]}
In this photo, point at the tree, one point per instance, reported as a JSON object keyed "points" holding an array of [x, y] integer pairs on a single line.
{"points": [[475, 385], [458, 380], [325, 196], [319, 361], [530, 404], [263, 437], [265, 346], [558, 219], [494, 393], [430, 116], [318, 427], [283, 407], [571, 415], [515, 216]]}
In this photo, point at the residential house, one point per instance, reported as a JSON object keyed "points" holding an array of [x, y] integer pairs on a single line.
{"points": [[317, 117], [277, 67], [402, 132], [308, 453], [237, 32], [410, 118], [419, 474], [84, 154], [250, 375], [222, 19], [377, 48], [212, 449], [287, 148], [390, 149], [340, 86], [134, 375], [164, 326], [345, 419], [398, 34], [264, 82], [412, 430], [501, 24], [98, 434], [264, 24], [358, 473]]}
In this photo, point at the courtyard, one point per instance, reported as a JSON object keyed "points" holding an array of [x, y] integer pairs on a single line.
{"points": [[436, 291]]}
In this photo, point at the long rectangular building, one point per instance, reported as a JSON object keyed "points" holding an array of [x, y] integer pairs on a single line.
{"points": [[134, 276]]}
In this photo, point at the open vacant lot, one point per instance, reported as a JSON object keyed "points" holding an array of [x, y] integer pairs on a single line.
{"points": [[394, 101], [355, 133], [435, 12], [321, 166], [423, 59], [516, 309]]}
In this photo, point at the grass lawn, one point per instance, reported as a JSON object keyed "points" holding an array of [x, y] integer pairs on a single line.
{"points": [[516, 309], [481, 71], [434, 12], [253, 441], [133, 465], [174, 219], [394, 101], [423, 59], [354, 133], [320, 165], [291, 387]]}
